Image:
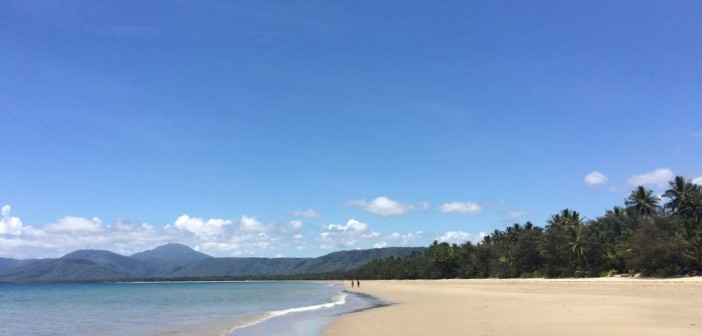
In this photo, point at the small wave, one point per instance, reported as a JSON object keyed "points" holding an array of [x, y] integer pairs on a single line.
{"points": [[337, 300]]}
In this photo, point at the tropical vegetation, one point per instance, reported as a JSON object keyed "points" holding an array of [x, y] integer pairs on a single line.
{"points": [[643, 237]]}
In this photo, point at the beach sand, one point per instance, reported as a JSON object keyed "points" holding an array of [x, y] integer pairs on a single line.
{"points": [[602, 306]]}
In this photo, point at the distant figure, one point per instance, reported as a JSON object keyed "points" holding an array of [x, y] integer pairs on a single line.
{"points": [[358, 283], [351, 283]]}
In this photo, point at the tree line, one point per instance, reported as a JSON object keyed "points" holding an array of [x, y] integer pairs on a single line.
{"points": [[645, 236]]}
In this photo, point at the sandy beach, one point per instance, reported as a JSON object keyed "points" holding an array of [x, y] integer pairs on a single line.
{"points": [[603, 306]]}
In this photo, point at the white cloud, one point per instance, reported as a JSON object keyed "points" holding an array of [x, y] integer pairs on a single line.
{"points": [[405, 239], [309, 213], [383, 206], [514, 214], [459, 237], [217, 237], [697, 181], [352, 225], [72, 233], [595, 178], [659, 178], [354, 234], [423, 205], [295, 225], [201, 228], [72, 224], [461, 207], [251, 224], [8, 224]]}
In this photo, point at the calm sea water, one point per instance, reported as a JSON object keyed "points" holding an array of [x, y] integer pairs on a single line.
{"points": [[185, 308]]}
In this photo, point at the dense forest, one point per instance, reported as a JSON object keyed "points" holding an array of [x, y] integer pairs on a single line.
{"points": [[645, 236]]}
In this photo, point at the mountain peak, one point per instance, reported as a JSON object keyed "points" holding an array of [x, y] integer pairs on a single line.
{"points": [[87, 254], [170, 252]]}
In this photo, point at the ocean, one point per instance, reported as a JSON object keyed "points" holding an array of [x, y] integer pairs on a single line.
{"points": [[175, 308]]}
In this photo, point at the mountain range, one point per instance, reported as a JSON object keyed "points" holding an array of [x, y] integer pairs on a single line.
{"points": [[179, 261]]}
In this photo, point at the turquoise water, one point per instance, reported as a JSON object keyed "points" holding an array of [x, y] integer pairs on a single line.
{"points": [[185, 308]]}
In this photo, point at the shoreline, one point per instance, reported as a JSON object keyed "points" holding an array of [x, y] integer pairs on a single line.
{"points": [[609, 306], [304, 320]]}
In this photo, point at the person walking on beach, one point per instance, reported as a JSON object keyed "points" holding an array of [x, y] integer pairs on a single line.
{"points": [[351, 283], [358, 283]]}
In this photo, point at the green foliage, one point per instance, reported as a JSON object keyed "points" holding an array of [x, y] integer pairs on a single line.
{"points": [[641, 238], [657, 249], [642, 202]]}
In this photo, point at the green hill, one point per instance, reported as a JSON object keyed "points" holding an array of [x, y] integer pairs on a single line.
{"points": [[179, 261]]}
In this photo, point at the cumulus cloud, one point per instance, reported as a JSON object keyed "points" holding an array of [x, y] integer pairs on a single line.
{"points": [[595, 178], [72, 233], [383, 206], [697, 181], [459, 237], [9, 224], [467, 208], [215, 236], [201, 228], [251, 224], [75, 224], [309, 213], [354, 234], [659, 178]]}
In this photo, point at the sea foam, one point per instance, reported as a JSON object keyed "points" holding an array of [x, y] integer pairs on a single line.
{"points": [[337, 300]]}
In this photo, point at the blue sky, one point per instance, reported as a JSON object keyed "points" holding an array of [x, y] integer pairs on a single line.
{"points": [[297, 128]]}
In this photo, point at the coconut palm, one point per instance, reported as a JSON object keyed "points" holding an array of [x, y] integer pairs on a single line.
{"points": [[616, 212], [513, 232], [679, 193], [642, 202], [528, 226], [577, 244], [566, 218]]}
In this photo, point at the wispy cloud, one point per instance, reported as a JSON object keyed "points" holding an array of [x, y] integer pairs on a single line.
{"points": [[382, 206], [595, 178], [467, 208], [309, 213], [659, 178], [403, 239], [515, 214]]}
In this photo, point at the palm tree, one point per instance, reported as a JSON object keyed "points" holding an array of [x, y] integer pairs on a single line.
{"points": [[642, 202], [616, 211], [679, 193], [577, 244], [566, 218], [528, 226], [513, 232]]}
